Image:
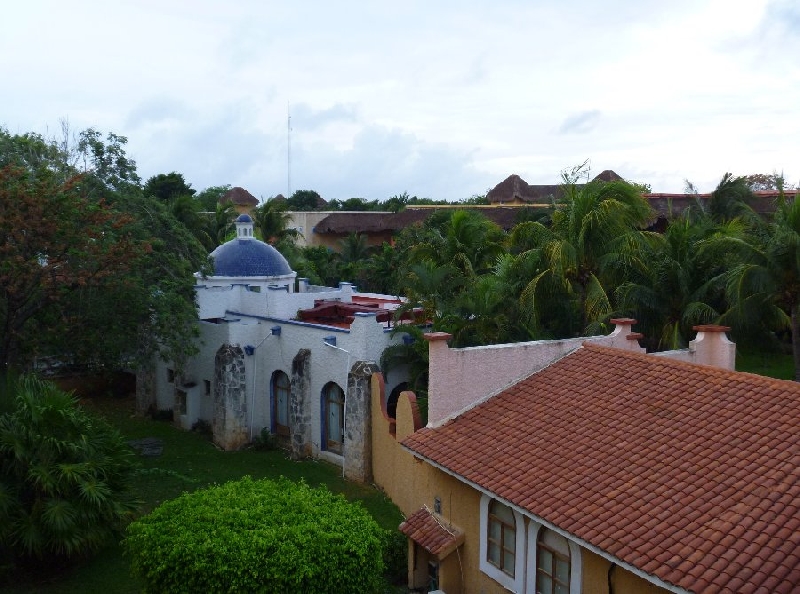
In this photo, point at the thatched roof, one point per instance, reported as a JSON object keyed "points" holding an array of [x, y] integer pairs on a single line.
{"points": [[607, 176], [239, 197], [515, 188], [388, 222]]}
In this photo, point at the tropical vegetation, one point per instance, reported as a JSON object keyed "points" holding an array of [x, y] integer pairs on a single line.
{"points": [[65, 479], [257, 535]]}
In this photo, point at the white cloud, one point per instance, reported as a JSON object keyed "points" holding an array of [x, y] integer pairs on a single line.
{"points": [[438, 99]]}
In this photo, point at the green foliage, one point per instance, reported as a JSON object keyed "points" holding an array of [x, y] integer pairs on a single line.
{"points": [[209, 198], [272, 220], [91, 268], [265, 441], [304, 200], [65, 477], [257, 536], [167, 186]]}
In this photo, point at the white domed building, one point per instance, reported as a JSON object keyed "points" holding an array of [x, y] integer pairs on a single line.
{"points": [[276, 353]]}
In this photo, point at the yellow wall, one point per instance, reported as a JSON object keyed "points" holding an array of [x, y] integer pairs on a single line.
{"points": [[411, 483]]}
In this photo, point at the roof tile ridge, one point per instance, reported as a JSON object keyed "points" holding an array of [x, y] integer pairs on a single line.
{"points": [[710, 369]]}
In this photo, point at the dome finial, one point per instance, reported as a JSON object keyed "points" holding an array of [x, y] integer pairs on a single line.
{"points": [[244, 227]]}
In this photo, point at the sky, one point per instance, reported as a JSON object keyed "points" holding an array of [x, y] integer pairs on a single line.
{"points": [[437, 98]]}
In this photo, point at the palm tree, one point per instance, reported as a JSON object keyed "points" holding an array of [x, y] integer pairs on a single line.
{"points": [[272, 220], [763, 289], [595, 234], [466, 240], [219, 225], [676, 286]]}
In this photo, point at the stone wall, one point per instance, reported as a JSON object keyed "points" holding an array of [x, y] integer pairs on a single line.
{"points": [[230, 398], [300, 418], [358, 431], [146, 389]]}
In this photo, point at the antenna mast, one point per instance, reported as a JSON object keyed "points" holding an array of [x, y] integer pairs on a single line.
{"points": [[288, 151]]}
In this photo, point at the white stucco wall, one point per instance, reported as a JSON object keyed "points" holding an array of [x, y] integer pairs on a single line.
{"points": [[364, 341]]}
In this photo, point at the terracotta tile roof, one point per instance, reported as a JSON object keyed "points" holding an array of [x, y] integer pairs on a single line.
{"points": [[430, 532], [688, 473]]}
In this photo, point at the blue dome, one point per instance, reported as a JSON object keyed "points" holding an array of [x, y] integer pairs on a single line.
{"points": [[249, 257], [244, 218]]}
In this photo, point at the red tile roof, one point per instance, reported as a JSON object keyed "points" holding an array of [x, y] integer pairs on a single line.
{"points": [[430, 532], [688, 473]]}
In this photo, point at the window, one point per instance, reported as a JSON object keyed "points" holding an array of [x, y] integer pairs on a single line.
{"points": [[552, 563], [181, 401], [333, 417], [207, 386], [281, 389], [502, 538], [171, 375], [502, 544]]}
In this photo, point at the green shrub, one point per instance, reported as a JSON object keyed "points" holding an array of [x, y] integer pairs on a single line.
{"points": [[395, 556], [64, 477], [257, 536], [265, 441]]}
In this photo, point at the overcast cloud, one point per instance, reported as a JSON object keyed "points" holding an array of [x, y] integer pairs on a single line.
{"points": [[438, 99]]}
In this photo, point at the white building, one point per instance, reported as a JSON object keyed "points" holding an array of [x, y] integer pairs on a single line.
{"points": [[260, 366]]}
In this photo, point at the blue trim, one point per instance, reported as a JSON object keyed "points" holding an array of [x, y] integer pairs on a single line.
{"points": [[323, 411]]}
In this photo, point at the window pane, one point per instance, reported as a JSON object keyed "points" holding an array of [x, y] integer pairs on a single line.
{"points": [[545, 560], [561, 589], [544, 585], [562, 570], [508, 563], [509, 539], [494, 530], [503, 512], [493, 554]]}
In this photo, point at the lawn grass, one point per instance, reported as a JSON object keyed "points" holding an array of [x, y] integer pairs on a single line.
{"points": [[189, 462], [777, 365]]}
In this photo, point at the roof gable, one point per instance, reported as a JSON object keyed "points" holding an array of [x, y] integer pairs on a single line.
{"points": [[685, 472]]}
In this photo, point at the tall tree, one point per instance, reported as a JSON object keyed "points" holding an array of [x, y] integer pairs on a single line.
{"points": [[675, 287], [91, 268], [272, 220], [168, 186], [763, 289], [209, 198], [304, 200], [595, 231]]}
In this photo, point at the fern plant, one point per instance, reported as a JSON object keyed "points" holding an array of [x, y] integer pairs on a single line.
{"points": [[64, 477]]}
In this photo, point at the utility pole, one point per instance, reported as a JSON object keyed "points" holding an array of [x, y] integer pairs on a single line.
{"points": [[288, 151]]}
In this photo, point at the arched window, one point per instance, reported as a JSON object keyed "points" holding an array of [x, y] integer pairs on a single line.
{"points": [[501, 546], [552, 563], [281, 389], [333, 401]]}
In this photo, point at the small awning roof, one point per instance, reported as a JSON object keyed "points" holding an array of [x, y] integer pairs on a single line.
{"points": [[432, 533]]}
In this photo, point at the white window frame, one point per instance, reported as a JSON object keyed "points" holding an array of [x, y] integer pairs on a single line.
{"points": [[575, 573], [516, 583]]}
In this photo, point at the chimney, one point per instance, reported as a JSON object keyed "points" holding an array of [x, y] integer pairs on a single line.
{"points": [[439, 380], [712, 347]]}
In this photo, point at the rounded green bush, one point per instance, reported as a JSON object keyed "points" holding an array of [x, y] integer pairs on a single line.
{"points": [[257, 536]]}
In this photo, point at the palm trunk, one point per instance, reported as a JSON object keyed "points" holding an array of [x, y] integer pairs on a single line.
{"points": [[796, 339]]}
